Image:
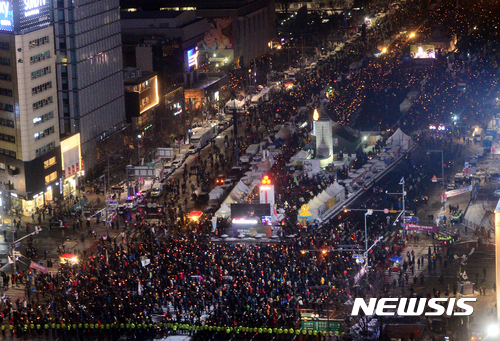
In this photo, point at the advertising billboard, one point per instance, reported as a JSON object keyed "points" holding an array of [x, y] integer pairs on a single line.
{"points": [[219, 36], [33, 14], [6, 16], [251, 220], [422, 51], [192, 59]]}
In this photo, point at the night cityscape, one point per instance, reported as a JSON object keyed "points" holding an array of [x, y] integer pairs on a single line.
{"points": [[249, 170]]}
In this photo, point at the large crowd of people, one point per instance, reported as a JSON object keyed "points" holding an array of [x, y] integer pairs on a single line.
{"points": [[163, 273]]}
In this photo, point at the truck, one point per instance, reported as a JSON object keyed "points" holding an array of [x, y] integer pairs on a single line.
{"points": [[253, 149], [201, 137], [215, 196], [478, 134]]}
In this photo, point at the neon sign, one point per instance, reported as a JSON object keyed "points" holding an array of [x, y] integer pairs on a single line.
{"points": [[192, 59]]}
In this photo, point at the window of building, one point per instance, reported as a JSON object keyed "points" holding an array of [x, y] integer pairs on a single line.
{"points": [[6, 92], [2, 166], [39, 57], [44, 133], [51, 177], [39, 42], [7, 138], [4, 61], [42, 103], [50, 162], [43, 118], [4, 46], [47, 148], [6, 107], [42, 72], [5, 77], [41, 88], [6, 123], [7, 152]]}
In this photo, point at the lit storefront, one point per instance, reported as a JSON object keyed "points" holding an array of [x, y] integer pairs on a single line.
{"points": [[72, 165]]}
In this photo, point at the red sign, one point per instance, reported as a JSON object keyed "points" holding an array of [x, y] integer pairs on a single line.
{"points": [[77, 167], [69, 171], [73, 169], [421, 228]]}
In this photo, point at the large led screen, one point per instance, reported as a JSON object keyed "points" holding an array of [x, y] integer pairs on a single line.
{"points": [[33, 14], [251, 220], [6, 16], [422, 51]]}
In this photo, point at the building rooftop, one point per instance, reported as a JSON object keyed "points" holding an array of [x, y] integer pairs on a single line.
{"points": [[134, 76], [155, 5], [139, 14]]}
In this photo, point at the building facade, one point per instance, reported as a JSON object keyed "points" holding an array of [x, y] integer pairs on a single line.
{"points": [[89, 73], [29, 131]]}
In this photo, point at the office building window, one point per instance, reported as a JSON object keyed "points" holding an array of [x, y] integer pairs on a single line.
{"points": [[42, 72], [39, 42], [44, 133], [43, 118], [2, 166], [51, 177], [5, 77], [6, 92], [7, 152], [4, 61], [41, 88], [42, 103], [6, 123], [45, 149], [6, 107], [4, 46], [49, 163], [7, 138], [39, 57]]}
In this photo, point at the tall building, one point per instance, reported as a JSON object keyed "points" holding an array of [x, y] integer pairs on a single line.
{"points": [[89, 74], [30, 166]]}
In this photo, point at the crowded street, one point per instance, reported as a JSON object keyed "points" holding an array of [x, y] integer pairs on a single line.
{"points": [[388, 210]]}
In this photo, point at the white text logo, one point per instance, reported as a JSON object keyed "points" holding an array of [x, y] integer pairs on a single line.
{"points": [[32, 4], [413, 307], [4, 8]]}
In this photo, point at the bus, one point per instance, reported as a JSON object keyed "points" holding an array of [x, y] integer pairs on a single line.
{"points": [[488, 143]]}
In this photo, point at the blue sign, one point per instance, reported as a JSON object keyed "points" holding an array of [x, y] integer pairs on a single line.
{"points": [[6, 16], [17, 244]]}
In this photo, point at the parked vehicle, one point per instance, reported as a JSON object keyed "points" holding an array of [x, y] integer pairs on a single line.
{"points": [[201, 137]]}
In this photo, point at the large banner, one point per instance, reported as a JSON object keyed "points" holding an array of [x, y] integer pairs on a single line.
{"points": [[421, 228], [220, 35], [251, 220], [458, 191]]}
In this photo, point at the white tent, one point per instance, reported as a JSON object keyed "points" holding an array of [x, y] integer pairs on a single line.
{"points": [[399, 140], [224, 210]]}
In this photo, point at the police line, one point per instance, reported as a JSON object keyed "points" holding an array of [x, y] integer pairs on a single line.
{"points": [[160, 325]]}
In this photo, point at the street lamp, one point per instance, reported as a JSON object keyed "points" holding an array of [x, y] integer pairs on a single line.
{"points": [[442, 162], [139, 137], [368, 212], [403, 212]]}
